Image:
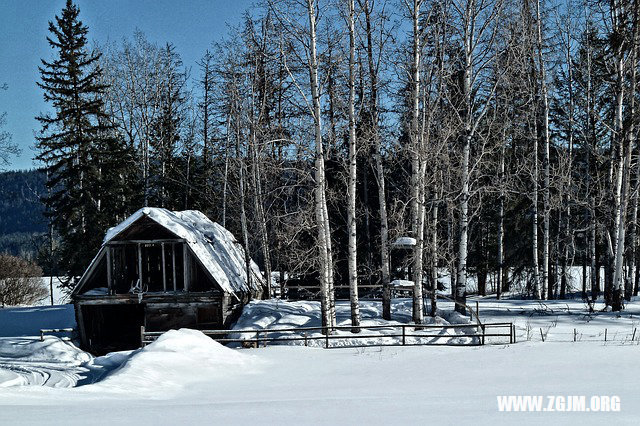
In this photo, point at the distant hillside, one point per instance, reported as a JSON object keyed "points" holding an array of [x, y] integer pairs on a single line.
{"points": [[21, 212]]}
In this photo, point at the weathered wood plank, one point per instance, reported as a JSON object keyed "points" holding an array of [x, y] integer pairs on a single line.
{"points": [[140, 265], [124, 242], [173, 261], [109, 269], [164, 269], [185, 261]]}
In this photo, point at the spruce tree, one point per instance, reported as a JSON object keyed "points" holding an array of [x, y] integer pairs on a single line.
{"points": [[76, 144]]}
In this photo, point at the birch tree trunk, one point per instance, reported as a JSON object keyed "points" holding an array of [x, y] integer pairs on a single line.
{"points": [[546, 288], [351, 188], [568, 195], [242, 192], [631, 285], [461, 282], [382, 199], [534, 237], [501, 221], [321, 212], [434, 260], [417, 208], [622, 163]]}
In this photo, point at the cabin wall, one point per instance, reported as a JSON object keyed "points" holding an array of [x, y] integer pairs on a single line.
{"points": [[112, 322]]}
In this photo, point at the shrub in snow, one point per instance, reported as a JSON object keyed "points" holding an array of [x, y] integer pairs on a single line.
{"points": [[20, 282]]}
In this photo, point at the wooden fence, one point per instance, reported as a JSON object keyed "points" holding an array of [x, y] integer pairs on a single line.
{"points": [[402, 335], [55, 330]]}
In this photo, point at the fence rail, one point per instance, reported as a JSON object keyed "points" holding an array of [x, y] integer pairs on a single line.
{"points": [[44, 331], [477, 336]]}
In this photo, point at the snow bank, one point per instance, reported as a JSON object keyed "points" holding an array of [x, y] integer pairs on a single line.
{"points": [[278, 314], [52, 349], [53, 362], [178, 359]]}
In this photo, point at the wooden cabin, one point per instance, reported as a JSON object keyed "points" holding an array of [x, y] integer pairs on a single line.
{"points": [[162, 270]]}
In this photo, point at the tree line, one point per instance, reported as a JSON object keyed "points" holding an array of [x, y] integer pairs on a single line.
{"points": [[499, 134]]}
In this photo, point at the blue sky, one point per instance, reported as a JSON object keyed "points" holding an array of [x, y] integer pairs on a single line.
{"points": [[191, 25]]}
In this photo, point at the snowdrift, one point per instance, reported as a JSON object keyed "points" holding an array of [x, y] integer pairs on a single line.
{"points": [[179, 358], [274, 314]]}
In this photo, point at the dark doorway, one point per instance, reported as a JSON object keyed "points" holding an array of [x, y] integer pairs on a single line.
{"points": [[111, 328]]}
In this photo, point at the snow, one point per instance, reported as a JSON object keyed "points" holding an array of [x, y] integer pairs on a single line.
{"points": [[60, 295], [402, 283], [290, 385], [404, 242], [168, 364], [19, 322], [185, 377], [278, 314], [216, 248]]}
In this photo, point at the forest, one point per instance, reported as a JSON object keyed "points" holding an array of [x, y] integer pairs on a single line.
{"points": [[499, 135], [22, 224]]}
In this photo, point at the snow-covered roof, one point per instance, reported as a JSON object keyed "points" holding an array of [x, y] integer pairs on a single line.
{"points": [[214, 246], [404, 242]]}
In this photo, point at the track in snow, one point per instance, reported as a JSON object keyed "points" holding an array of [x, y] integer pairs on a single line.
{"points": [[57, 375]]}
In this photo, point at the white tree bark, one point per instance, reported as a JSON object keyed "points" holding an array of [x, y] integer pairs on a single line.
{"points": [[546, 211], [620, 196], [322, 217], [351, 187], [382, 198], [417, 201]]}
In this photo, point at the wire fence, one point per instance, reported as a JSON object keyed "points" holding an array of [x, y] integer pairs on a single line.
{"points": [[548, 334]]}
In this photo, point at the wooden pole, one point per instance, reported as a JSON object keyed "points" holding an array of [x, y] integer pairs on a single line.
{"points": [[185, 261], [164, 269], [140, 265], [109, 269], [173, 261]]}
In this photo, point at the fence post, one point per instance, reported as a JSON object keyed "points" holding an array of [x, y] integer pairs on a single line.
{"points": [[404, 334], [605, 334], [575, 334], [305, 338], [477, 311], [326, 338], [142, 336], [511, 333], [257, 339], [634, 335], [482, 334], [541, 335]]}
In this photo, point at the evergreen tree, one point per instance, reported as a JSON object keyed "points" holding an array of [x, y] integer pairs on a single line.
{"points": [[76, 144]]}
